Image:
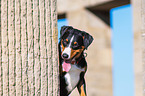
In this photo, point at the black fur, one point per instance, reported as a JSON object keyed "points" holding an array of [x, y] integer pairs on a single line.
{"points": [[83, 39]]}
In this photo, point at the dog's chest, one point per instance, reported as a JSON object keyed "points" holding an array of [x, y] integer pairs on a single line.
{"points": [[72, 77]]}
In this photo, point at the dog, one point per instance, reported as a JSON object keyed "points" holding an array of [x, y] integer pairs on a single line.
{"points": [[72, 61]]}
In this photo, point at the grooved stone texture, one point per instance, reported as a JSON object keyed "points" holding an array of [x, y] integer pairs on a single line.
{"points": [[28, 48]]}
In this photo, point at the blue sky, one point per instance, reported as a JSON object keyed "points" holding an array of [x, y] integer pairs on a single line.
{"points": [[61, 22], [122, 47]]}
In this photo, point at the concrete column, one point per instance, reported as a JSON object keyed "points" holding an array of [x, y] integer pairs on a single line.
{"points": [[28, 48], [143, 40], [136, 5]]}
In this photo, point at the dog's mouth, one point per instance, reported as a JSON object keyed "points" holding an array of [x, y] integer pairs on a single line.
{"points": [[68, 60]]}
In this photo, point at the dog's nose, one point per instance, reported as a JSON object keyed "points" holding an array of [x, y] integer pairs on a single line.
{"points": [[65, 55]]}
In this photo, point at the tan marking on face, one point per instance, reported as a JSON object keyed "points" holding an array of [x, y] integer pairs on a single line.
{"points": [[78, 52], [75, 42], [62, 46], [66, 40]]}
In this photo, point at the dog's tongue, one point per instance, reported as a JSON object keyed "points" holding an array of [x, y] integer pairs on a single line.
{"points": [[66, 66]]}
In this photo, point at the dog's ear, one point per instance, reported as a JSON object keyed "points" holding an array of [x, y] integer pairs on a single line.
{"points": [[63, 30], [87, 39]]}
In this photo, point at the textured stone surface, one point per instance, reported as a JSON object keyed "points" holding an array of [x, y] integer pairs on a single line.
{"points": [[137, 47], [28, 48], [140, 31]]}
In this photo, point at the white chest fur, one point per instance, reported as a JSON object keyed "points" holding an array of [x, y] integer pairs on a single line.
{"points": [[72, 77]]}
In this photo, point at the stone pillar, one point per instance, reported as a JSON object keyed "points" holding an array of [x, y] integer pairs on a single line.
{"points": [[99, 73], [143, 40], [136, 5], [28, 48]]}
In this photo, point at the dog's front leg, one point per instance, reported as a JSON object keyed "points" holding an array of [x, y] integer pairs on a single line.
{"points": [[82, 87]]}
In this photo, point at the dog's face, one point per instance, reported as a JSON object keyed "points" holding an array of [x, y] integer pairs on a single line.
{"points": [[72, 46], [73, 42]]}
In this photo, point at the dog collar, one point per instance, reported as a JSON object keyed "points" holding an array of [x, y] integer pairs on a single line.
{"points": [[77, 61], [72, 62]]}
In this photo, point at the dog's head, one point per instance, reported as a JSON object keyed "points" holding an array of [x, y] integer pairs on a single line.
{"points": [[73, 42]]}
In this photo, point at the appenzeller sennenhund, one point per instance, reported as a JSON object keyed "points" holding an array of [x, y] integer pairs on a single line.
{"points": [[73, 65]]}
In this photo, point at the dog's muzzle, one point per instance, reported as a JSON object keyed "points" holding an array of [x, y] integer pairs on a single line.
{"points": [[65, 56]]}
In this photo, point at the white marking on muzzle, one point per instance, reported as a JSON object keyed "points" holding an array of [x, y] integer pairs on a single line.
{"points": [[67, 50]]}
